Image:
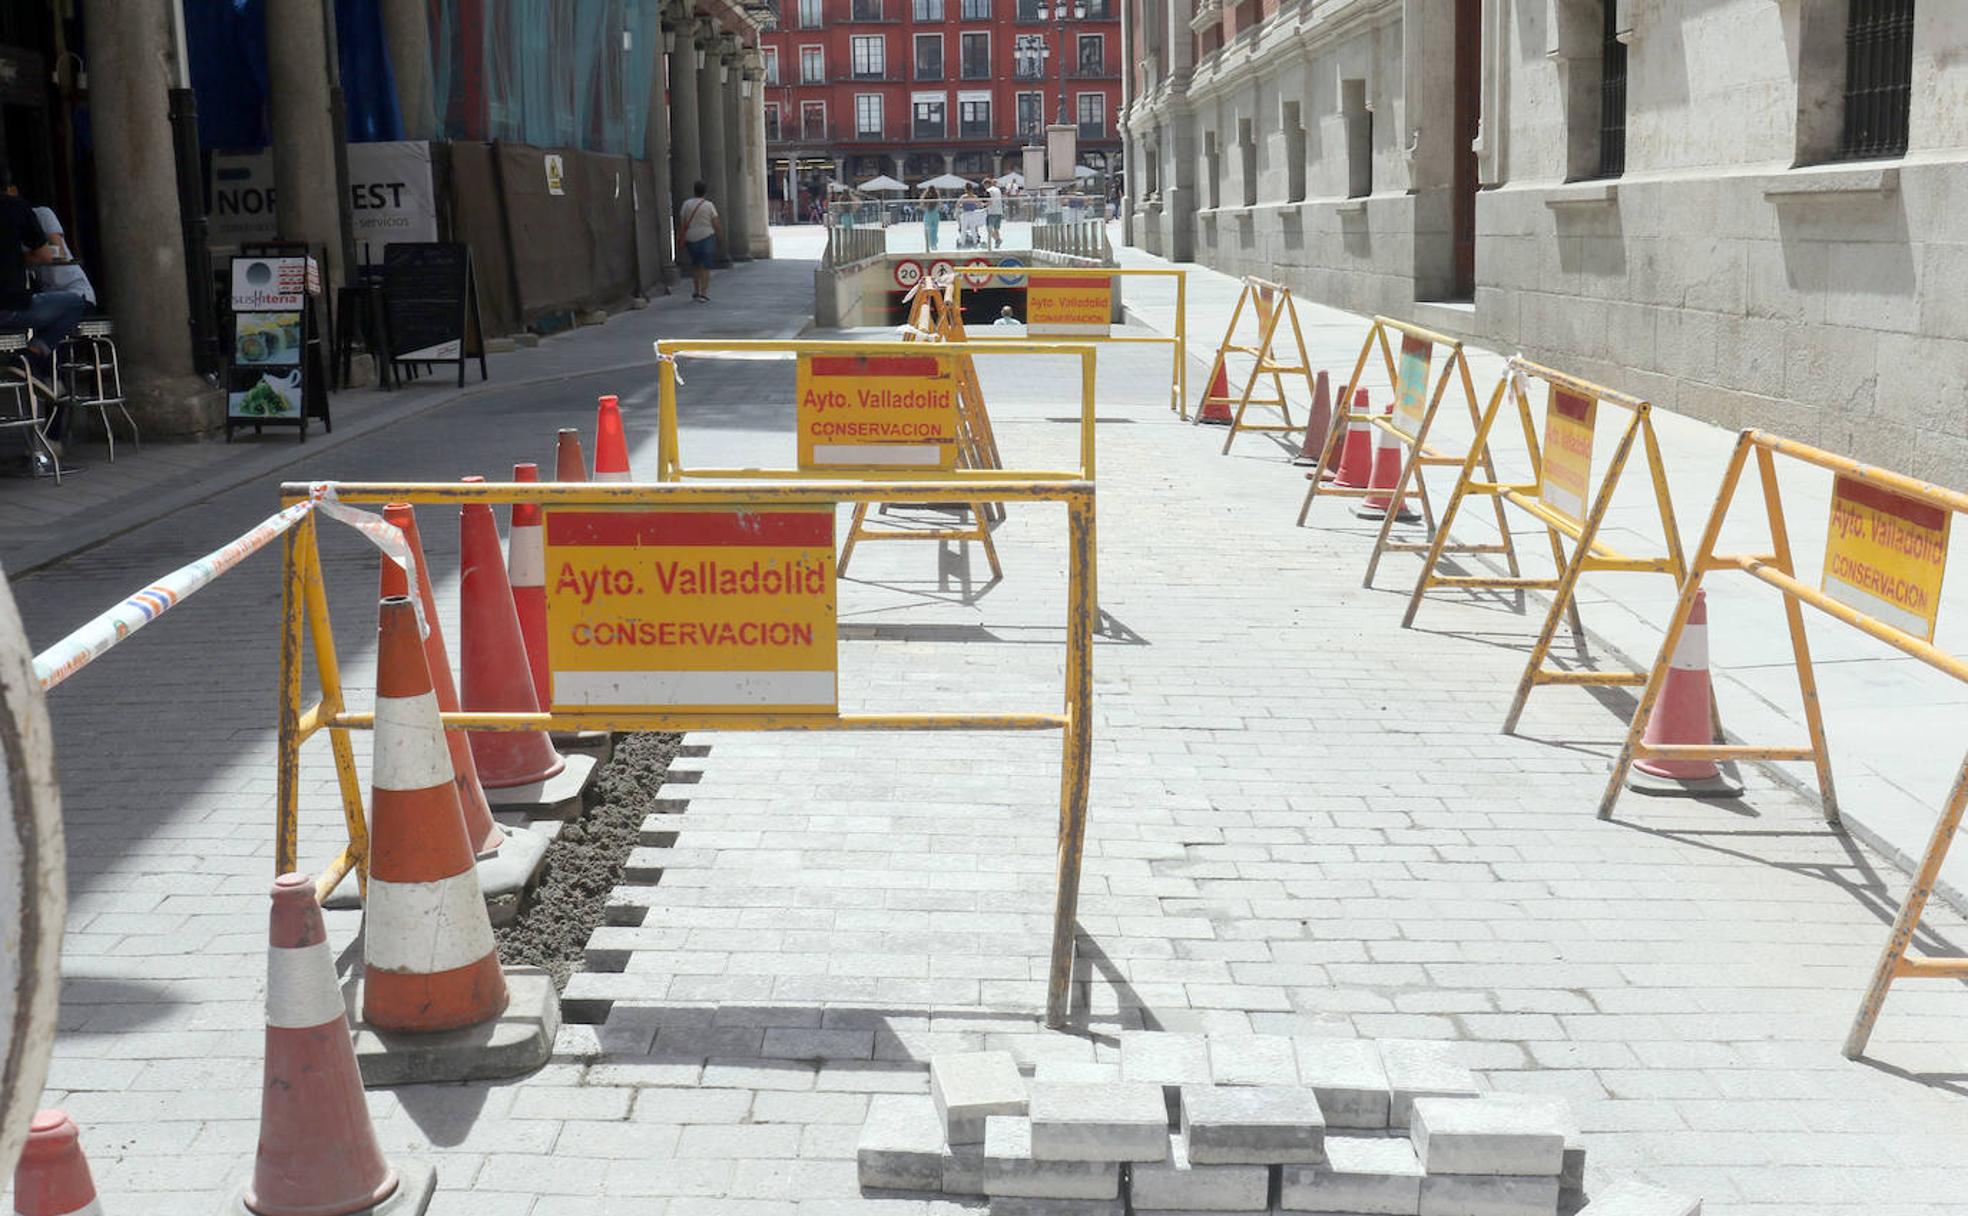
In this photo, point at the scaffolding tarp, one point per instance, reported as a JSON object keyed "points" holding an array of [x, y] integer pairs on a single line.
{"points": [[570, 74]]}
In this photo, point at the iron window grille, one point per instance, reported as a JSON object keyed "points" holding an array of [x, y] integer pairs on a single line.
{"points": [[1878, 78], [1612, 97]]}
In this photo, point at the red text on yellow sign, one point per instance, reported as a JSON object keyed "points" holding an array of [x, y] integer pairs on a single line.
{"points": [[1064, 306], [1886, 555], [876, 412], [1567, 481], [711, 610]]}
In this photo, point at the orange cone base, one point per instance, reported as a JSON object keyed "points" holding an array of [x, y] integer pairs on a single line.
{"points": [[416, 1183], [1646, 777], [1216, 413], [1369, 508], [506, 876], [516, 1042], [556, 797]]}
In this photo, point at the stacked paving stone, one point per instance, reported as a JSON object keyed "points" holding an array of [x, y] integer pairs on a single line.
{"points": [[1238, 1124]]}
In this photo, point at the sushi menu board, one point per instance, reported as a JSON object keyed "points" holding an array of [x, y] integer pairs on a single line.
{"points": [[276, 376]]}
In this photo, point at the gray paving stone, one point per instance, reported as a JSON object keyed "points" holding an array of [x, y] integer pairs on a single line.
{"points": [[1489, 1195], [1124, 1122], [1252, 1059], [1010, 1169], [1264, 1125], [1630, 1198], [1015, 1205], [1363, 1174], [1486, 1136], [968, 1087], [963, 1170], [1178, 1185], [1157, 1057], [1078, 1072], [1349, 1078], [1422, 1068], [901, 1146]]}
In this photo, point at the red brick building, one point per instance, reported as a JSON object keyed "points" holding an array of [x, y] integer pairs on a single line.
{"points": [[915, 88]]}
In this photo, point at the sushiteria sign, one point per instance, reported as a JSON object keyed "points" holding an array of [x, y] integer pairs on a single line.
{"points": [[713, 610], [876, 412]]}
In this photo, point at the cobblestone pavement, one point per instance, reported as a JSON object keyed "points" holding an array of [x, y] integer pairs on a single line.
{"points": [[1303, 822]]}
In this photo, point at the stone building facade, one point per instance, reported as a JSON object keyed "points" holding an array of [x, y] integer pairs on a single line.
{"points": [[1753, 212]]}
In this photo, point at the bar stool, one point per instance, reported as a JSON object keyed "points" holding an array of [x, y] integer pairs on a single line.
{"points": [[360, 313], [95, 378], [22, 406]]}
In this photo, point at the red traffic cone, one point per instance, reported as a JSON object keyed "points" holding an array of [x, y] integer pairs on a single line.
{"points": [[1216, 402], [1386, 472], [611, 445], [486, 835], [318, 1151], [1318, 426], [429, 962], [52, 1177], [1682, 715], [492, 654], [526, 570], [569, 463], [1356, 459]]}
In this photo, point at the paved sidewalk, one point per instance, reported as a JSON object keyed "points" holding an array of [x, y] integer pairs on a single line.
{"points": [[1892, 723]]}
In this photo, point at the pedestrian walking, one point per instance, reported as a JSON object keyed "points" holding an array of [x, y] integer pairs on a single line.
{"points": [[698, 230], [932, 209], [994, 212]]}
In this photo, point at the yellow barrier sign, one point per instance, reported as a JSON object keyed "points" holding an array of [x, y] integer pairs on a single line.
{"points": [[1886, 555], [1567, 474], [874, 412], [1061, 306], [1411, 401], [706, 610]]}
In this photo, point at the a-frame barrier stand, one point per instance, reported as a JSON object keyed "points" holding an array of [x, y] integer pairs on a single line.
{"points": [[933, 317], [1271, 304]]}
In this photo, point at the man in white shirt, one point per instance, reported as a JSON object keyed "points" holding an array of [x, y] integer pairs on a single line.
{"points": [[698, 231], [66, 273], [994, 212]]}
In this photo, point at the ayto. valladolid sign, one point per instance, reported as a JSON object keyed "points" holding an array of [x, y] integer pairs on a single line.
{"points": [[390, 193]]}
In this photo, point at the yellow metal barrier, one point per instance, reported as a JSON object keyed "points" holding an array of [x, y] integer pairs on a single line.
{"points": [[1412, 418], [1559, 496], [1885, 556], [1271, 303], [305, 620]]}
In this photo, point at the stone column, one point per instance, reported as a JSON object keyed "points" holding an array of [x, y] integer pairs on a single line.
{"points": [[712, 149], [406, 26], [656, 148], [738, 214], [140, 233], [304, 177], [687, 163], [1178, 154], [757, 166]]}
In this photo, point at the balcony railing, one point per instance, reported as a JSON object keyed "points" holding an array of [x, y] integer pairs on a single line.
{"points": [[1093, 130], [1090, 72], [1025, 70], [977, 70], [807, 133], [881, 77], [929, 71]]}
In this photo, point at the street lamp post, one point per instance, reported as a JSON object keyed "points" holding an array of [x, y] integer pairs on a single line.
{"points": [[1059, 12]]}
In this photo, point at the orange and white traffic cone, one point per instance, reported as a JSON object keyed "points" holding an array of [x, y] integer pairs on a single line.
{"points": [[1682, 714], [1386, 473], [526, 570], [1216, 402], [485, 835], [519, 769], [318, 1153], [429, 962], [1356, 457], [611, 445], [569, 463], [1318, 425], [52, 1177]]}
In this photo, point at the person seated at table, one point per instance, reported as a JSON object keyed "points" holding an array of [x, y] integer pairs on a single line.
{"points": [[51, 315], [65, 273]]}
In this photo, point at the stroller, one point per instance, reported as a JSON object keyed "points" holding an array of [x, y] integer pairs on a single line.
{"points": [[970, 229]]}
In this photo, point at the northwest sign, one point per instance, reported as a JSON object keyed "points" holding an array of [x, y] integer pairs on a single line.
{"points": [[876, 412], [1886, 554], [1411, 393], [1066, 306], [1567, 471], [710, 610]]}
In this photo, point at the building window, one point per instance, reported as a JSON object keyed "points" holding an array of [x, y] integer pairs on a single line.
{"points": [[771, 54], [976, 53], [974, 116], [1358, 121], [810, 14], [1612, 97], [1878, 78], [1093, 55], [929, 56], [813, 65], [870, 57], [866, 10], [1031, 114], [1093, 115], [1029, 56], [976, 10], [868, 114], [1028, 10], [928, 110], [813, 121], [772, 122], [928, 10]]}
